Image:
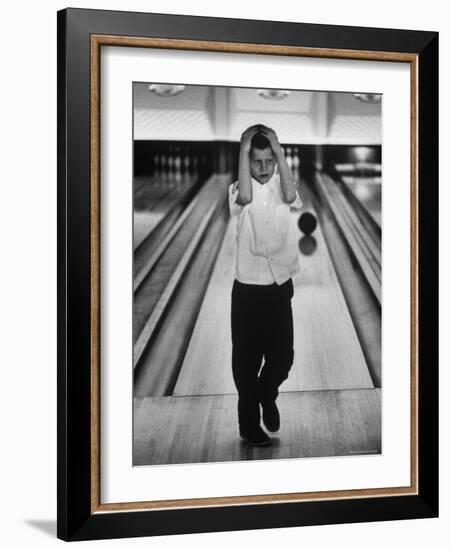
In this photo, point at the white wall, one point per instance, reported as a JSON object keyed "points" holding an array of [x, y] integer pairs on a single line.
{"points": [[28, 275]]}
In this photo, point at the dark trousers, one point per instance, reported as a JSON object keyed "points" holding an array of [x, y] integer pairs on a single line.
{"points": [[261, 327]]}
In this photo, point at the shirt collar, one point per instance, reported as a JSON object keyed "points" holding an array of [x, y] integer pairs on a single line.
{"points": [[270, 184]]}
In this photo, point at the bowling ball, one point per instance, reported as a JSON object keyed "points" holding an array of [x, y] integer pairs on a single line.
{"points": [[307, 223], [307, 245]]}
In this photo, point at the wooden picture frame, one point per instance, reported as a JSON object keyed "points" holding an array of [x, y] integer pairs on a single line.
{"points": [[81, 35]]}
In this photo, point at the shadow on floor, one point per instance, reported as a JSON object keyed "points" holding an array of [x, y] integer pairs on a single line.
{"points": [[47, 526]]}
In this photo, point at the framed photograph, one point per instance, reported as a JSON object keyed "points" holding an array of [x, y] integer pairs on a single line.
{"points": [[247, 274]]}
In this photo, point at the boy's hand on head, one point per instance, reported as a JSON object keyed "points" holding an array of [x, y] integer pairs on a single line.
{"points": [[246, 137], [271, 136]]}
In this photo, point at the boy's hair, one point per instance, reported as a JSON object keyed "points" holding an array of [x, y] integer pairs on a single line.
{"points": [[259, 141]]}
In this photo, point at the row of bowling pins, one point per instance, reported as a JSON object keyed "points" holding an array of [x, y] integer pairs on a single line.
{"points": [[175, 164], [168, 162], [177, 168], [292, 157]]}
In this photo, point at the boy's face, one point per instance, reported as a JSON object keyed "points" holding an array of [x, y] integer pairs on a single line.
{"points": [[262, 164]]}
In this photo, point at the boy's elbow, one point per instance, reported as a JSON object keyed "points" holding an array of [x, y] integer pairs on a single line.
{"points": [[291, 198], [243, 199]]}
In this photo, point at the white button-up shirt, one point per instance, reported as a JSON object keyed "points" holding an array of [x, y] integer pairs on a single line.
{"points": [[266, 237]]}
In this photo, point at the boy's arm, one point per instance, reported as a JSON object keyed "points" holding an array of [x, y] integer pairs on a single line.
{"points": [[235, 207], [245, 182], [286, 178], [298, 203]]}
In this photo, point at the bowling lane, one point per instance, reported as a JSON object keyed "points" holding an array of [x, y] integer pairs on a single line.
{"points": [[153, 197], [192, 429], [328, 354], [327, 350], [206, 367], [147, 194], [368, 191]]}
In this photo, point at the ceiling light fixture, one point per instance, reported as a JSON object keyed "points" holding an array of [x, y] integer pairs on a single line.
{"points": [[368, 98], [273, 94], [166, 90]]}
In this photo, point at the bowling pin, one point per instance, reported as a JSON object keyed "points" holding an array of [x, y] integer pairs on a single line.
{"points": [[295, 164], [156, 171], [163, 163], [288, 157], [295, 159], [170, 167], [186, 162]]}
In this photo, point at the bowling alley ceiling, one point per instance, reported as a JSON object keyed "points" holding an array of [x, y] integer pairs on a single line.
{"points": [[206, 113]]}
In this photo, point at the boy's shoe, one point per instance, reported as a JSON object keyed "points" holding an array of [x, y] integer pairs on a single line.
{"points": [[256, 437], [271, 416]]}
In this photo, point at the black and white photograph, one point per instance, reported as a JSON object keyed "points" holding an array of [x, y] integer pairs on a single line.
{"points": [[257, 261], [225, 253]]}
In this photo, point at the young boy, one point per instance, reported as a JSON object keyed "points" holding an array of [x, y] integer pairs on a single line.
{"points": [[266, 260]]}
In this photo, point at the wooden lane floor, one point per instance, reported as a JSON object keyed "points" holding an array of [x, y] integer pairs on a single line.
{"points": [[160, 265], [206, 367], [153, 196], [368, 191], [193, 429], [328, 405], [327, 351]]}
